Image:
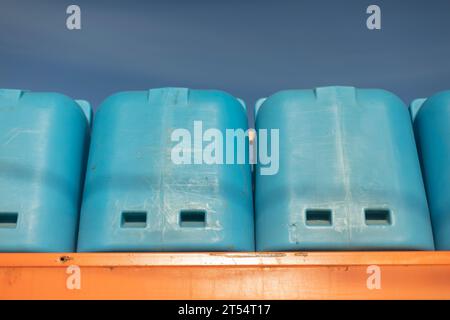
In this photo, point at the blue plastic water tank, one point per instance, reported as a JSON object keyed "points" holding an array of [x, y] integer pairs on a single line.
{"points": [[43, 145], [349, 176], [137, 199], [432, 128]]}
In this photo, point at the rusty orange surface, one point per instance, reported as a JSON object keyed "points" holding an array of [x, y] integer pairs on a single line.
{"points": [[281, 275]]}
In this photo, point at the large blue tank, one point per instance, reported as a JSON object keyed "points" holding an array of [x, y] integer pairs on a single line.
{"points": [[349, 176], [43, 146], [137, 198], [432, 128]]}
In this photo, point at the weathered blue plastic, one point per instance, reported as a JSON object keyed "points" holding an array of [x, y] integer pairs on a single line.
{"points": [[432, 128], [349, 175], [137, 199], [43, 145]]}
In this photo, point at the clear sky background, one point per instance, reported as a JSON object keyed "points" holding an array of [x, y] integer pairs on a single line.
{"points": [[249, 48]]}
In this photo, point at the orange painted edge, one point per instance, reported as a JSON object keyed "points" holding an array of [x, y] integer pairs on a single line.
{"points": [[281, 275], [225, 259]]}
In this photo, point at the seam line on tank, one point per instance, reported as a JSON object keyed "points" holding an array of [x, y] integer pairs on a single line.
{"points": [[341, 154]]}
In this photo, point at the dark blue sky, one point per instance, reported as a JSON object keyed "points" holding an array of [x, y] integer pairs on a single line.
{"points": [[248, 48]]}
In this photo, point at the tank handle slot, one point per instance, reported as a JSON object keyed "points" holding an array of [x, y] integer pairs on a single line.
{"points": [[134, 219], [8, 220], [377, 217], [318, 217], [193, 218]]}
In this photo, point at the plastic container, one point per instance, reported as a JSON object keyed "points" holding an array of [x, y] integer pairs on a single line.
{"points": [[137, 198], [432, 128], [349, 176], [43, 146]]}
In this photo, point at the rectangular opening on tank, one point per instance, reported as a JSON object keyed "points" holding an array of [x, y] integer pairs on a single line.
{"points": [[318, 217], [377, 217], [134, 219], [192, 218], [8, 219]]}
